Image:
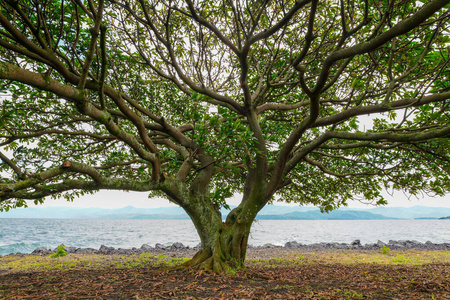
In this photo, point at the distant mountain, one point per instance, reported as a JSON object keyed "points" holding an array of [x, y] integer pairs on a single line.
{"points": [[272, 212], [413, 212], [128, 212], [445, 218], [333, 215], [281, 209]]}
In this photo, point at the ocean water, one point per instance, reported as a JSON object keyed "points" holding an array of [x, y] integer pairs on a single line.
{"points": [[25, 235]]}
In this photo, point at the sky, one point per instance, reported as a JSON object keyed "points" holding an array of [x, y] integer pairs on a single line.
{"points": [[118, 199]]}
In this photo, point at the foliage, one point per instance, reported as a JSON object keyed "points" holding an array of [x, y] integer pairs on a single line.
{"points": [[385, 250], [60, 252], [312, 102]]}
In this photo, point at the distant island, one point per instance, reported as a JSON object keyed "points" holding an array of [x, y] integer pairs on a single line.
{"points": [[445, 218], [270, 212], [333, 215]]}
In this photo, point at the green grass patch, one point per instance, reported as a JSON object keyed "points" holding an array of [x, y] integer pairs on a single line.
{"points": [[412, 257], [30, 263], [14, 263]]}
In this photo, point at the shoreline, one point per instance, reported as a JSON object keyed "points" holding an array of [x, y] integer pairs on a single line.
{"points": [[179, 250]]}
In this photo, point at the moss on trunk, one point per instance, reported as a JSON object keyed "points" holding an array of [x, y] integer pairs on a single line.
{"points": [[222, 252]]}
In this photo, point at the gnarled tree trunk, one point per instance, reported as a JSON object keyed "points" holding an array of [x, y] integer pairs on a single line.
{"points": [[224, 244]]}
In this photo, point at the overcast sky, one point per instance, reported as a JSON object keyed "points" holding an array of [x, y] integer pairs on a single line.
{"points": [[117, 199]]}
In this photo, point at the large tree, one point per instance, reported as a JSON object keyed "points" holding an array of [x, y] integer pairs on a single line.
{"points": [[200, 100]]}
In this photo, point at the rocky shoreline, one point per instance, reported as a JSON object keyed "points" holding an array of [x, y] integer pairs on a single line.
{"points": [[178, 249]]}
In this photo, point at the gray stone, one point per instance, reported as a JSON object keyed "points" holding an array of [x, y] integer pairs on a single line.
{"points": [[178, 246], [85, 251], [380, 244], [292, 244], [414, 242], [268, 245], [123, 251], [146, 247], [160, 247], [71, 249], [41, 250], [356, 243], [340, 245], [104, 248]]}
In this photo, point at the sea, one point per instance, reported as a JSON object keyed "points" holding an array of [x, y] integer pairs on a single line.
{"points": [[25, 235]]}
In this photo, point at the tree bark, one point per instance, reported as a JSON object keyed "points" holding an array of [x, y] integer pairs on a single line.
{"points": [[224, 244]]}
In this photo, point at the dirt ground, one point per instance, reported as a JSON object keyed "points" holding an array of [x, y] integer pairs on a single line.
{"points": [[306, 276]]}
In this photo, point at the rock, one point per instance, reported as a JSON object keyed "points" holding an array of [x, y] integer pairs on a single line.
{"points": [[268, 245], [146, 248], [339, 246], [41, 250], [121, 251], [178, 246], [71, 249], [107, 249], [160, 247], [85, 251], [356, 243], [292, 244], [380, 244], [370, 246]]}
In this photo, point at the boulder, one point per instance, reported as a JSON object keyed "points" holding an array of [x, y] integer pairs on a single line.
{"points": [[160, 247], [104, 248], [85, 251], [71, 249], [292, 244], [380, 244], [40, 250], [178, 246], [268, 245], [146, 248], [356, 243], [122, 251]]}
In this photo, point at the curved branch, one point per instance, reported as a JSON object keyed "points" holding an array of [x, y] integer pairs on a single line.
{"points": [[393, 137], [335, 174], [21, 190], [211, 27], [379, 108], [272, 30], [11, 164], [398, 29], [11, 72]]}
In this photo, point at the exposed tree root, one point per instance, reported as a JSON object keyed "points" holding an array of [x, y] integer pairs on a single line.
{"points": [[208, 260]]}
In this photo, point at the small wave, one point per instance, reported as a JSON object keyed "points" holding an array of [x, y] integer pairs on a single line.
{"points": [[23, 248]]}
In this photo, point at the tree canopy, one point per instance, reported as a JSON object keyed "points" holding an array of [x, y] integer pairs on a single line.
{"points": [[200, 100]]}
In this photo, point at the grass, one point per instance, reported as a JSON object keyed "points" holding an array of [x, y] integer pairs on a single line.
{"points": [[327, 275], [31, 263], [410, 258]]}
